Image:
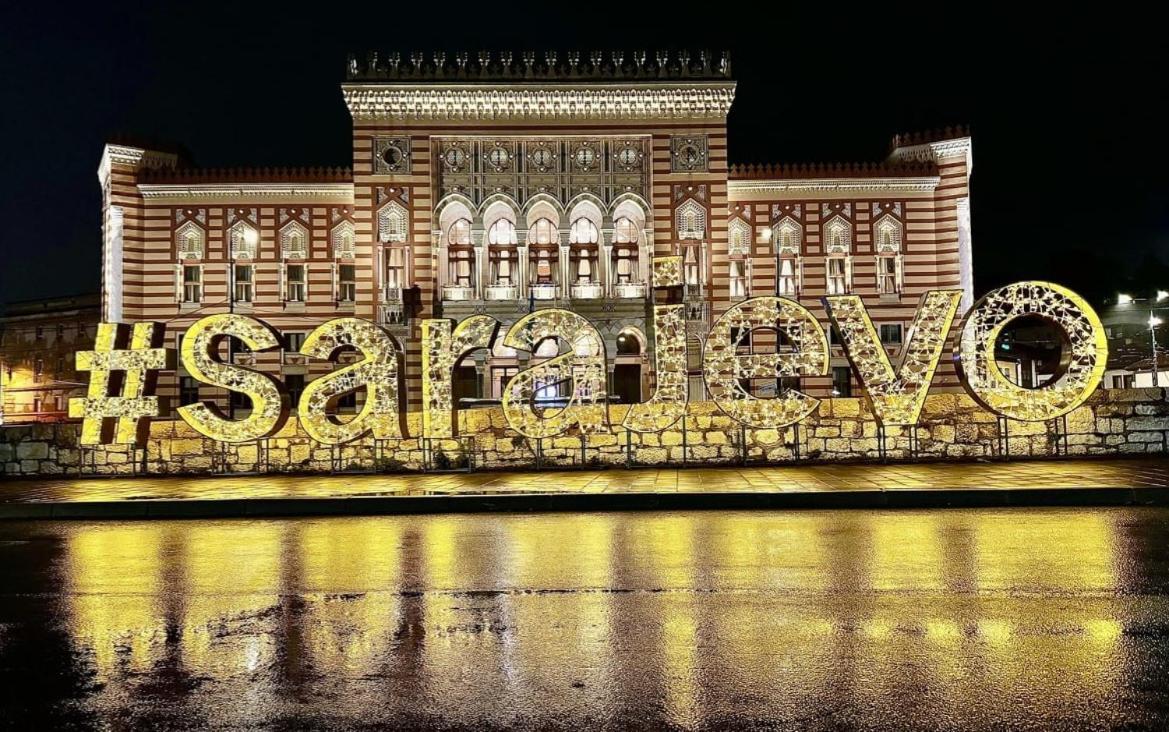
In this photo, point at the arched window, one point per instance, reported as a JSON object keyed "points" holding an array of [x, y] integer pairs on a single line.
{"points": [[887, 236], [739, 263], [244, 240], [543, 232], [460, 254], [583, 231], [837, 236], [788, 237], [544, 252], [626, 247], [293, 241], [189, 241], [344, 241], [583, 239], [691, 220], [392, 223], [502, 232]]}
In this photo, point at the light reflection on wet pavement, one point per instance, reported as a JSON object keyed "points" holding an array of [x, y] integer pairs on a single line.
{"points": [[957, 619]]}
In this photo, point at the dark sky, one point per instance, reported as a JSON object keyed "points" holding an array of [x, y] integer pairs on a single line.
{"points": [[1070, 113]]}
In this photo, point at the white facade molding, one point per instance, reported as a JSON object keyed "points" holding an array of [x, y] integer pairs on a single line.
{"points": [[932, 152], [234, 192], [740, 189], [699, 100], [134, 156]]}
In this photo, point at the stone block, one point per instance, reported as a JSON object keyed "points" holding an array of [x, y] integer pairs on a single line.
{"points": [[763, 437], [671, 438], [715, 437], [32, 450]]}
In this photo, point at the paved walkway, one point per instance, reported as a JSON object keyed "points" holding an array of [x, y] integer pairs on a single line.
{"points": [[1090, 481]]}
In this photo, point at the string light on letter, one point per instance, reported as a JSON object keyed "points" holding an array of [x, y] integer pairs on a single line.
{"points": [[269, 402], [377, 371], [582, 367], [896, 396], [442, 348], [1082, 365], [803, 350], [668, 403]]}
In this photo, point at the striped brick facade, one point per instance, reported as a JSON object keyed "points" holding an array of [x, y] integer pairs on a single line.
{"points": [[151, 201]]}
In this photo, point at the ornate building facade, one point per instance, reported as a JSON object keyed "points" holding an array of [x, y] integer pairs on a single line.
{"points": [[499, 183]]}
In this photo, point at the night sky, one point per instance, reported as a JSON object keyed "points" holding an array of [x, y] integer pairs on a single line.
{"points": [[1070, 115]]}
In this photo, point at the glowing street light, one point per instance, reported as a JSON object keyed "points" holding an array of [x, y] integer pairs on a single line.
{"points": [[1123, 299], [1161, 295]]}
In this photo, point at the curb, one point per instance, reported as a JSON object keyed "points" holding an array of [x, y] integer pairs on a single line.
{"points": [[536, 502]]}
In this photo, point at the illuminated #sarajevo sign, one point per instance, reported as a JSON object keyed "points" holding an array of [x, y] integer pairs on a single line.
{"points": [[125, 362]]}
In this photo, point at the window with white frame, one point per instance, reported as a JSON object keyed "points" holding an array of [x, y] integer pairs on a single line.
{"points": [[242, 283], [692, 264], [460, 253], [395, 268], [837, 276], [392, 223], [837, 239], [739, 236], [788, 279], [294, 282], [887, 235], [192, 283], [346, 283], [738, 279], [888, 280]]}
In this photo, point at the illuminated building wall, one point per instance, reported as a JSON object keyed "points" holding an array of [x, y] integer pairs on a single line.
{"points": [[498, 183], [37, 341]]}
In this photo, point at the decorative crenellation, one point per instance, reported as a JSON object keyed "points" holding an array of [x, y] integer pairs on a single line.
{"points": [[566, 66], [246, 175], [695, 102]]}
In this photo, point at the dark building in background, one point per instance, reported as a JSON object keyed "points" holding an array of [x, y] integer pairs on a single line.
{"points": [[37, 341]]}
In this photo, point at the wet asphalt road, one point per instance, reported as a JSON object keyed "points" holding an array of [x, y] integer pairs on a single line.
{"points": [[1007, 619]]}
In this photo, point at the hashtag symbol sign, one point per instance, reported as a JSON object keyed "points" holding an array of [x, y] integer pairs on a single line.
{"points": [[121, 383]]}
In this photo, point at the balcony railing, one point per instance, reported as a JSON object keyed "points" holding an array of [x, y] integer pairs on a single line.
{"points": [[545, 291], [458, 292], [391, 294], [587, 291], [501, 292], [391, 314], [629, 290]]}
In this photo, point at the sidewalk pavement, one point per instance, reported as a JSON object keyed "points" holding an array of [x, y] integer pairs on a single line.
{"points": [[1038, 482]]}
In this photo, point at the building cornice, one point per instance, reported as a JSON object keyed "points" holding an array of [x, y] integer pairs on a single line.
{"points": [[235, 192], [135, 156], [934, 151], [697, 100], [761, 188]]}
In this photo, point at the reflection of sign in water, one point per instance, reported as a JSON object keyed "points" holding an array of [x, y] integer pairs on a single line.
{"points": [[566, 384]]}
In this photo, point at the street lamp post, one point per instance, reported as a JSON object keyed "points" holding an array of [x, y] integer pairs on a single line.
{"points": [[1154, 321]]}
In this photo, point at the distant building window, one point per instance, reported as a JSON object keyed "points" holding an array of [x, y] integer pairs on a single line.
{"points": [[891, 333], [188, 391], [395, 268], [38, 369], [293, 341], [841, 381], [347, 283], [294, 384], [192, 283], [40, 334], [888, 282], [294, 283], [242, 291], [837, 276], [787, 285], [738, 282]]}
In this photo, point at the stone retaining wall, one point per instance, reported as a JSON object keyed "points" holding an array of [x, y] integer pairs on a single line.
{"points": [[953, 427]]}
